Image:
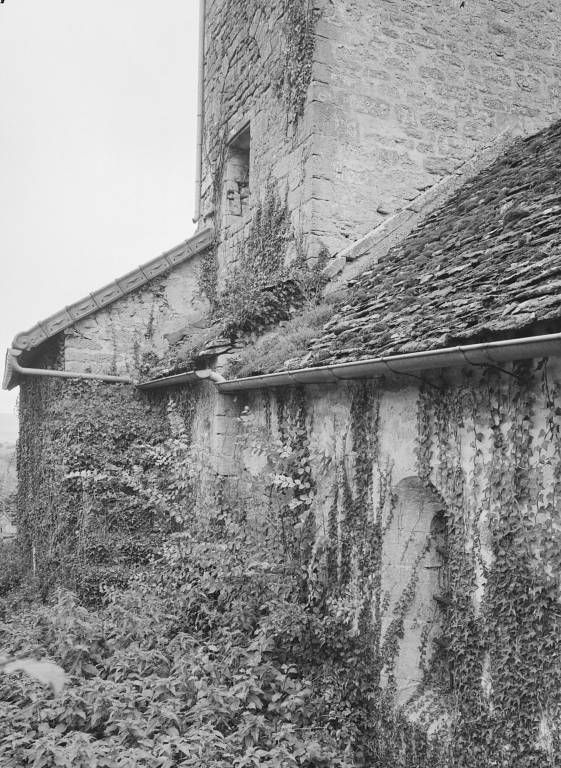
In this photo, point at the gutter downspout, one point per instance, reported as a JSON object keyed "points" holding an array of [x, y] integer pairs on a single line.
{"points": [[12, 364], [200, 113], [491, 353]]}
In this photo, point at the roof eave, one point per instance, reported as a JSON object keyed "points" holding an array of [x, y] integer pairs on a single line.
{"points": [[491, 353], [488, 353], [187, 377]]}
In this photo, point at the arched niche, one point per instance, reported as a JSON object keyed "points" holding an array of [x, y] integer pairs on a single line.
{"points": [[413, 585]]}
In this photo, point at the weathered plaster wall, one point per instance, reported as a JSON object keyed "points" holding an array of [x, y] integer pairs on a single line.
{"points": [[404, 91], [245, 53], [398, 501], [435, 511], [456, 482], [132, 332]]}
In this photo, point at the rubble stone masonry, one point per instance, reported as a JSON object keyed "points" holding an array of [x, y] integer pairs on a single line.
{"points": [[405, 90], [246, 44], [133, 332], [402, 93]]}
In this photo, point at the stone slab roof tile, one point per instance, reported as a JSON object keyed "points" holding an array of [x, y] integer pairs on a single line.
{"points": [[485, 265]]}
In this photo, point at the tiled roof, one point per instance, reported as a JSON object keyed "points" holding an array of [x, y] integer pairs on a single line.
{"points": [[484, 266], [124, 285]]}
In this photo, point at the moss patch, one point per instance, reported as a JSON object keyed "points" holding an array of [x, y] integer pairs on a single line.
{"points": [[282, 347]]}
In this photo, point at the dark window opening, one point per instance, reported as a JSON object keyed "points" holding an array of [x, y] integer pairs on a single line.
{"points": [[236, 177]]}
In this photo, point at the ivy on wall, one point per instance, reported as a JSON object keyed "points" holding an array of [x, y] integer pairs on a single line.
{"points": [[243, 303], [97, 490], [295, 72], [89, 471], [339, 552], [264, 285], [490, 447], [237, 47], [504, 647]]}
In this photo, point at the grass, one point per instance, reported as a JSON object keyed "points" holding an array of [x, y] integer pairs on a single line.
{"points": [[284, 346]]}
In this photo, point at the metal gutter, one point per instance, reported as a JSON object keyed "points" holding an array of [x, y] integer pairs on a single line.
{"points": [[201, 112], [188, 377], [474, 354], [14, 369], [491, 353]]}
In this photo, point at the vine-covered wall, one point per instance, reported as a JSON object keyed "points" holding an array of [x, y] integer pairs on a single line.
{"points": [[430, 512], [422, 511], [258, 65], [94, 470]]}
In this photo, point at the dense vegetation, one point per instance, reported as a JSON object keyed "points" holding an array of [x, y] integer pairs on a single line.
{"points": [[90, 471], [248, 631], [224, 651], [230, 640], [207, 659]]}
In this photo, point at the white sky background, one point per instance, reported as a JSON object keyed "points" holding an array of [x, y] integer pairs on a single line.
{"points": [[97, 147]]}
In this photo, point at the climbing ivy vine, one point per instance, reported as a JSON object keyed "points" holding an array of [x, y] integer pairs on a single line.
{"points": [[270, 276], [295, 72], [90, 465], [488, 445], [502, 622]]}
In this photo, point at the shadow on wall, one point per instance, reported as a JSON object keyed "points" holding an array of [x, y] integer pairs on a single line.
{"points": [[413, 581]]}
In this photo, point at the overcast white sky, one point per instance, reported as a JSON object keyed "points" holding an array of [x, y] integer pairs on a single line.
{"points": [[97, 147]]}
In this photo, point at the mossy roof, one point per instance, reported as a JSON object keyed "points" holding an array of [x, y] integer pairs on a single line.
{"points": [[485, 266]]}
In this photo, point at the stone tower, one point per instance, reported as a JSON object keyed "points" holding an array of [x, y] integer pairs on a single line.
{"points": [[351, 108]]}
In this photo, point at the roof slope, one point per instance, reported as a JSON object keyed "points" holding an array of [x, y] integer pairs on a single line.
{"points": [[484, 266], [110, 293]]}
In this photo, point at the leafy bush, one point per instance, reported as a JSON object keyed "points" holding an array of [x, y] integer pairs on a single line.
{"points": [[86, 502], [271, 276], [207, 660], [11, 566], [235, 644]]}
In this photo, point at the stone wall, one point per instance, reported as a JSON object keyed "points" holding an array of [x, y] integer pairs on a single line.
{"points": [[133, 332], [447, 490], [245, 54], [403, 92], [433, 505]]}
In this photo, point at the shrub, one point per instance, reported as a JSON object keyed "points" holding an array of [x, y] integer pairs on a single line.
{"points": [[11, 567], [206, 660], [271, 276]]}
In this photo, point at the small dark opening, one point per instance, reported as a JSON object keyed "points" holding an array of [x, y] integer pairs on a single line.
{"points": [[237, 173]]}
